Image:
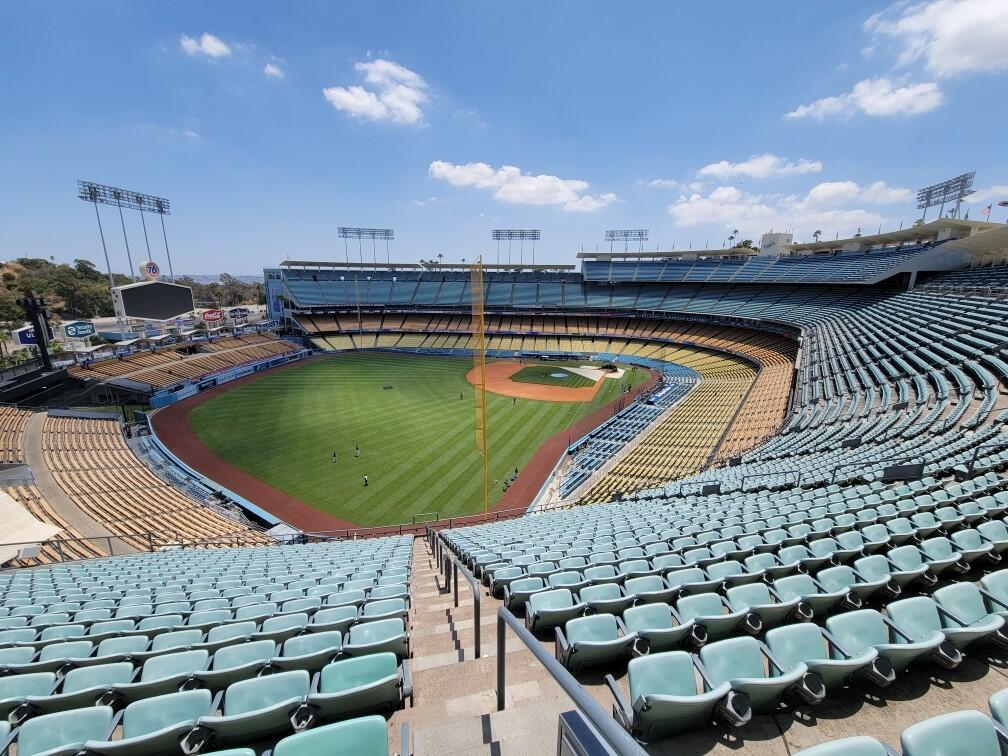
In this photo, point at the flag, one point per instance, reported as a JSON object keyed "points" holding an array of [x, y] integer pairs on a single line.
{"points": [[987, 210]]}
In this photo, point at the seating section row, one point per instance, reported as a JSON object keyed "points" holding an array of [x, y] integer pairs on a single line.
{"points": [[195, 650], [91, 461]]}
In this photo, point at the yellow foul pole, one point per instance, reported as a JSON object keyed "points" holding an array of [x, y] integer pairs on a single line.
{"points": [[479, 362]]}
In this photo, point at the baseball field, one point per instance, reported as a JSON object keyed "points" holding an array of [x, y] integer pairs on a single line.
{"points": [[410, 416]]}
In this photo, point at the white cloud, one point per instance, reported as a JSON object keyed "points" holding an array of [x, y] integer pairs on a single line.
{"points": [[663, 184], [830, 204], [511, 185], [207, 45], [273, 71], [952, 36], [984, 197], [760, 166], [190, 134], [672, 184], [875, 97], [397, 94]]}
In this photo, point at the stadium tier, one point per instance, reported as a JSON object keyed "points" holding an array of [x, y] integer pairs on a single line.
{"points": [[790, 539], [178, 365]]}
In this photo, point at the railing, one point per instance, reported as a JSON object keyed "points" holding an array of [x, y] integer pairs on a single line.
{"points": [[450, 568], [611, 732], [751, 476]]}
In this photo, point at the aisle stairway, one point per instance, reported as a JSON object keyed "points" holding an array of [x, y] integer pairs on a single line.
{"points": [[454, 711]]}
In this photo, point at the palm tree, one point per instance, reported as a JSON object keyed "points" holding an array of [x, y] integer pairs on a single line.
{"points": [[816, 234], [440, 257]]}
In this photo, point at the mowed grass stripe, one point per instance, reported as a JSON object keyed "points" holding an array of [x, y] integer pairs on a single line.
{"points": [[416, 440]]}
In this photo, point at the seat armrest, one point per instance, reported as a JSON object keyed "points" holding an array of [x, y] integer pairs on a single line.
{"points": [[406, 746], [621, 708], [407, 681]]}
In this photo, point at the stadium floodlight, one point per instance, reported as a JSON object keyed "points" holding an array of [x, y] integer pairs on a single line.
{"points": [[627, 235], [360, 233], [952, 190], [521, 235], [104, 194]]}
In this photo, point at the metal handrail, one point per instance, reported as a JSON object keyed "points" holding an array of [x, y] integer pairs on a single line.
{"points": [[751, 476], [619, 739], [446, 557]]}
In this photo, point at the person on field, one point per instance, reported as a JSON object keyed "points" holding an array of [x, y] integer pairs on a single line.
{"points": [[334, 457], [356, 451], [365, 481]]}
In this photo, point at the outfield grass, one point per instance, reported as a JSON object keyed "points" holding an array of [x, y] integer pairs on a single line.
{"points": [[416, 439], [543, 374]]}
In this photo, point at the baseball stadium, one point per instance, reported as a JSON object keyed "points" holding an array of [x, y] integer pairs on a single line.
{"points": [[669, 502]]}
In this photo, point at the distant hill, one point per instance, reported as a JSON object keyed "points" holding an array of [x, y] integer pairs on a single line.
{"points": [[205, 279]]}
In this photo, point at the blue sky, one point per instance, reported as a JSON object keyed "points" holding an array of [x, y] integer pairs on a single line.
{"points": [[270, 125]]}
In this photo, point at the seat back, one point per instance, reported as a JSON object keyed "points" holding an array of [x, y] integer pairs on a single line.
{"points": [[962, 599], [65, 728], [961, 732], [918, 616], [744, 596], [558, 598], [859, 630], [733, 658], [96, 676], [594, 628], [700, 605], [347, 674], [241, 654], [795, 586], [262, 692], [666, 674], [171, 665], [795, 644], [649, 617], [362, 735], [152, 714], [373, 632]]}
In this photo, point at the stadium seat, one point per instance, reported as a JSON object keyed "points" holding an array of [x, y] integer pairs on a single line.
{"points": [[362, 685], [592, 641], [63, 733], [858, 745], [858, 631], [255, 709], [374, 637], [665, 699], [155, 726], [78, 688], [662, 628], [969, 733], [366, 736], [552, 608], [716, 616], [793, 645]]}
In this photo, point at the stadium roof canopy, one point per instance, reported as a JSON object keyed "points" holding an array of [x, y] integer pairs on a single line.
{"points": [[947, 228], [681, 253], [417, 266]]}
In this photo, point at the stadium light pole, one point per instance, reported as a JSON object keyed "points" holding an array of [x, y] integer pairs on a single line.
{"points": [[516, 234], [159, 206], [129, 257], [626, 235], [952, 190], [359, 233]]}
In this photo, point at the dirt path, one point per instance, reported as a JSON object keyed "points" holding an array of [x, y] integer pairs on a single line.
{"points": [[498, 381]]}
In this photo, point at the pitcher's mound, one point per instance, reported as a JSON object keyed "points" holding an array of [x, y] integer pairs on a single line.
{"points": [[498, 375]]}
